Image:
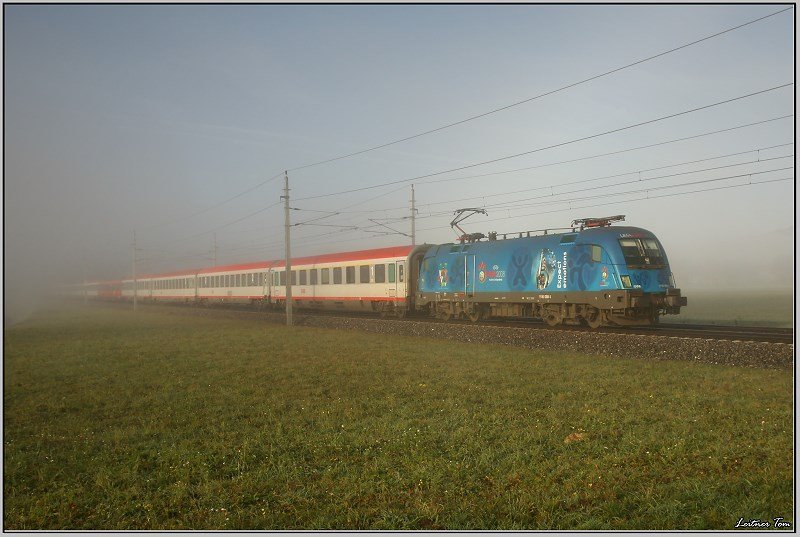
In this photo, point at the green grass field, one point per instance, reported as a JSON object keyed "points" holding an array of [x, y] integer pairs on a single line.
{"points": [[163, 420], [748, 308]]}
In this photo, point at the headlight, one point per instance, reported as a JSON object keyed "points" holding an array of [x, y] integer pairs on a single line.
{"points": [[626, 281]]}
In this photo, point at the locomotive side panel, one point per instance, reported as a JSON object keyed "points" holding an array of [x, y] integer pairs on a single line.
{"points": [[560, 277]]}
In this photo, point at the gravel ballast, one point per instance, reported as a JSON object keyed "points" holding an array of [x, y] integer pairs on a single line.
{"points": [[712, 351]]}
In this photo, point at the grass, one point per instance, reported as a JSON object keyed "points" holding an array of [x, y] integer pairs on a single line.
{"points": [[162, 420], [748, 308]]}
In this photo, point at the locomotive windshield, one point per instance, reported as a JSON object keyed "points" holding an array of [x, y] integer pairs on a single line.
{"points": [[642, 253]]}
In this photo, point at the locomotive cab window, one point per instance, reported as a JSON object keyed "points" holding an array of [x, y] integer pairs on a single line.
{"points": [[642, 252]]}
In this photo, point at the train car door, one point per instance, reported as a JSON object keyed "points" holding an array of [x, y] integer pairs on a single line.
{"points": [[469, 274], [391, 279], [401, 279]]}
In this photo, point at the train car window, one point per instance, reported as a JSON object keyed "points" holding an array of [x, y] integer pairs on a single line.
{"points": [[400, 276], [363, 274], [597, 253], [350, 274], [283, 277], [326, 276], [276, 279], [313, 276], [391, 272], [566, 239], [380, 273], [260, 279], [303, 277], [337, 274], [294, 277]]}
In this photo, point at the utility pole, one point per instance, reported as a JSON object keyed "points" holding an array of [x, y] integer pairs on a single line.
{"points": [[215, 249], [85, 294], [135, 283], [413, 218], [288, 264]]}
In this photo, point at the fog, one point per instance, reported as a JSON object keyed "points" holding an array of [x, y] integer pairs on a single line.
{"points": [[147, 118]]}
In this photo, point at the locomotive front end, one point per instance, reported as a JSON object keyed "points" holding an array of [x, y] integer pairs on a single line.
{"points": [[645, 274]]}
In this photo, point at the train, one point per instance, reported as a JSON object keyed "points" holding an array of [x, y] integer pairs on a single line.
{"points": [[593, 274]]}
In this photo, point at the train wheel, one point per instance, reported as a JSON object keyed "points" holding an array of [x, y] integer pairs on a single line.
{"points": [[595, 318], [552, 319], [475, 315]]}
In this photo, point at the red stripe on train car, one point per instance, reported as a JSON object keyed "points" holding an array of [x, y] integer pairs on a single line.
{"points": [[297, 298], [340, 257], [360, 255]]}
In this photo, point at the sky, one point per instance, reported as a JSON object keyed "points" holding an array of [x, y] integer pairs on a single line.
{"points": [[146, 118]]}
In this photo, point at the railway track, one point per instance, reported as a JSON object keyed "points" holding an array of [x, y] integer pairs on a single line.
{"points": [[699, 331]]}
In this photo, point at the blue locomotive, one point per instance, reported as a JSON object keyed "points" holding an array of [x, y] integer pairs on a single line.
{"points": [[594, 274]]}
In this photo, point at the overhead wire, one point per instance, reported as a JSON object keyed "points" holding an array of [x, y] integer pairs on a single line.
{"points": [[429, 204], [552, 146], [581, 181], [572, 208], [551, 92], [471, 118]]}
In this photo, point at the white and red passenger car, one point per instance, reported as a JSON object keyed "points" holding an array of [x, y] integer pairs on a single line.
{"points": [[365, 280]]}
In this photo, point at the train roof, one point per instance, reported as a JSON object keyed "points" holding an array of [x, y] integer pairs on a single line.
{"points": [[338, 257]]}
